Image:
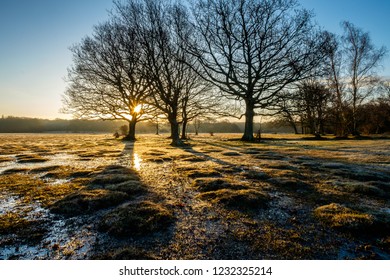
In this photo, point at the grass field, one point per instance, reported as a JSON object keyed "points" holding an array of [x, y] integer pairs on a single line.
{"points": [[81, 196]]}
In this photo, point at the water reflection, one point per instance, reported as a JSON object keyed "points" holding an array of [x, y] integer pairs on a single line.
{"points": [[137, 162]]}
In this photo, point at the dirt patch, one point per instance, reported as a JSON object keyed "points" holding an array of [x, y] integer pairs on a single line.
{"points": [[137, 219]]}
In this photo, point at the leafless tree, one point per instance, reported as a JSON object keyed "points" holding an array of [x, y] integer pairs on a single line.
{"points": [[336, 83], [352, 62], [106, 81], [362, 59], [165, 63], [252, 50]]}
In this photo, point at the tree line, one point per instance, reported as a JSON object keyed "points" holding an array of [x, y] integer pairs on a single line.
{"points": [[12, 124], [186, 62]]}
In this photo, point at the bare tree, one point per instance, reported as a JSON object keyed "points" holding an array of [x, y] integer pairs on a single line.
{"points": [[252, 50], [362, 59], [336, 83], [165, 63], [105, 80]]}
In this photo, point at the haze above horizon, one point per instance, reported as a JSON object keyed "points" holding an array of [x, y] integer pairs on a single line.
{"points": [[36, 36]]}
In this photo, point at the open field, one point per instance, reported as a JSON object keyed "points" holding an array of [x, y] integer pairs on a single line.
{"points": [[79, 196]]}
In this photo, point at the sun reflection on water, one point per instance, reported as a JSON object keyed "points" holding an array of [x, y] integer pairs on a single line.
{"points": [[137, 162]]}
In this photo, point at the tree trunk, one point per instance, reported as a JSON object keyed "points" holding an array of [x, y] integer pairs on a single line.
{"points": [[175, 132], [131, 135], [157, 127], [249, 115], [183, 130], [294, 126]]}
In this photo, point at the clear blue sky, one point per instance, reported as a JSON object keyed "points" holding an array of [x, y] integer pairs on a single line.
{"points": [[35, 36]]}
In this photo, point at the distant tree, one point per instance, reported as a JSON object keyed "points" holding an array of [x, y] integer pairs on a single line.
{"points": [[352, 62], [363, 58], [314, 98], [336, 84], [105, 81], [252, 50], [124, 130]]}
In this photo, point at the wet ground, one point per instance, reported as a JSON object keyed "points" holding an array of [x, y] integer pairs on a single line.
{"points": [[93, 197]]}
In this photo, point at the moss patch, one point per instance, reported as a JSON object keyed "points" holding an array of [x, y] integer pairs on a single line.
{"points": [[214, 184], [45, 169], [200, 173], [16, 170], [87, 201], [31, 189], [30, 159], [6, 159], [131, 187], [27, 230], [137, 219], [341, 217], [238, 199]]}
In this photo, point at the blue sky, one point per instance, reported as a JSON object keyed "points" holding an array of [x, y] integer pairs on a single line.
{"points": [[35, 36]]}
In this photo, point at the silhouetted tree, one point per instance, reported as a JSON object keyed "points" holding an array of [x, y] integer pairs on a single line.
{"points": [[252, 50], [165, 63], [106, 81]]}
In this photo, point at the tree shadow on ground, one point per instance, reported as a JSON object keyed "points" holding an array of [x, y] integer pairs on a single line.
{"points": [[126, 217]]}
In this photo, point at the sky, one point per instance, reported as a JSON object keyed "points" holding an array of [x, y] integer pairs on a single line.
{"points": [[35, 36]]}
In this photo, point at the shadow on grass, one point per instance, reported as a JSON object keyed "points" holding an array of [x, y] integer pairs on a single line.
{"points": [[123, 207]]}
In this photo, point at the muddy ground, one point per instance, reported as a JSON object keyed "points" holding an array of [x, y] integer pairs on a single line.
{"points": [[95, 197]]}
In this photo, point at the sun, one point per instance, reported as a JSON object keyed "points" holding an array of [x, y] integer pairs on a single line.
{"points": [[138, 108]]}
